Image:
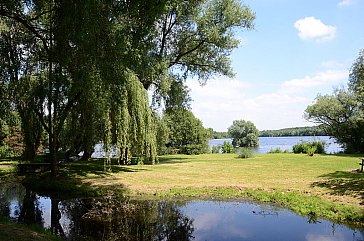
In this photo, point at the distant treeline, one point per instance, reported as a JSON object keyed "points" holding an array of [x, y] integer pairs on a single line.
{"points": [[219, 135], [294, 131]]}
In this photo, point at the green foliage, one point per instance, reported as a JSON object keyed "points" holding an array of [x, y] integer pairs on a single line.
{"points": [[79, 71], [277, 150], [245, 152], [216, 149], [295, 131], [7, 151], [219, 135], [227, 147], [342, 114], [244, 134], [310, 150], [186, 132], [309, 147]]}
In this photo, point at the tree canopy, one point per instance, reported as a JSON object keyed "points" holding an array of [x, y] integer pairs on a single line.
{"points": [[186, 133], [244, 134], [342, 114], [79, 71]]}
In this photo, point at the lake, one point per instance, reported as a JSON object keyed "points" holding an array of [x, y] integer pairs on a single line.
{"points": [[110, 218], [286, 143]]}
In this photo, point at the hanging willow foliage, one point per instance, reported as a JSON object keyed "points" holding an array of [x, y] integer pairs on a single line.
{"points": [[133, 131]]}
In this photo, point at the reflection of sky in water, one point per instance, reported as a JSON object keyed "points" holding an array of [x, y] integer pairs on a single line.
{"points": [[45, 206], [243, 221], [214, 220]]}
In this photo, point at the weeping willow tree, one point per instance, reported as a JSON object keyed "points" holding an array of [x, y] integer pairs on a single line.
{"points": [[133, 132], [69, 58], [84, 66]]}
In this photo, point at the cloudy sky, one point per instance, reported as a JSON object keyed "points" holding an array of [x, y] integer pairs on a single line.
{"points": [[299, 48]]}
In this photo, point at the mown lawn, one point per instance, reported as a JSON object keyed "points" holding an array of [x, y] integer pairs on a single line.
{"points": [[331, 177], [323, 185]]}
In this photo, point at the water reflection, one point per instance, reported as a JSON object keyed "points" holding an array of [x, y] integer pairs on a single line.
{"points": [[111, 218]]}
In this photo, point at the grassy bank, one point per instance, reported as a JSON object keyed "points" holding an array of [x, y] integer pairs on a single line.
{"points": [[17, 232], [323, 185]]}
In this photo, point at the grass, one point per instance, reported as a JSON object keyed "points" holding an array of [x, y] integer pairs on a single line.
{"points": [[321, 185], [17, 232]]}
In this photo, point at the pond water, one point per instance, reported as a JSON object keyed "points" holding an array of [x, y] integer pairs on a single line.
{"points": [[286, 143], [114, 219]]}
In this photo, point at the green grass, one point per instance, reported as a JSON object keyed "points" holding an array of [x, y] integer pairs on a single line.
{"points": [[17, 232], [323, 185]]}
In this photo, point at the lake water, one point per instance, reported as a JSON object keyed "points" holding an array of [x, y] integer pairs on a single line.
{"points": [[113, 219], [286, 143]]}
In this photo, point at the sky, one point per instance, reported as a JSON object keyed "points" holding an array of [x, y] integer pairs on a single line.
{"points": [[298, 49]]}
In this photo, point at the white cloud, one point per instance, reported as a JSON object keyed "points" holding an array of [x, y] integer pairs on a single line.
{"points": [[320, 237], [343, 3], [311, 28], [329, 77], [221, 101]]}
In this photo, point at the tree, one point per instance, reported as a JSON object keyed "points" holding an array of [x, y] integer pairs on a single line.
{"points": [[62, 63], [244, 134], [189, 39], [342, 114], [80, 70], [186, 132]]}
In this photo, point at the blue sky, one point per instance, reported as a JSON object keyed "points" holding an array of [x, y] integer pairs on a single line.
{"points": [[298, 49]]}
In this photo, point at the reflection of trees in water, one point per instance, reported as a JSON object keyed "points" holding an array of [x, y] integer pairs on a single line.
{"points": [[30, 211], [10, 192], [112, 219]]}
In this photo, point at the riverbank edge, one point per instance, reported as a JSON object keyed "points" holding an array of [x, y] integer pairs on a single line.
{"points": [[15, 232], [304, 204], [312, 207]]}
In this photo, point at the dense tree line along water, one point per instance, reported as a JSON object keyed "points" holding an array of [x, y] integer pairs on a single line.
{"points": [[267, 144], [116, 219]]}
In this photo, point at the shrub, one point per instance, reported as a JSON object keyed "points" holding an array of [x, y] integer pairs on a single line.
{"points": [[194, 149], [310, 150], [227, 147], [277, 150], [7, 151], [306, 147], [299, 148], [245, 152], [216, 149]]}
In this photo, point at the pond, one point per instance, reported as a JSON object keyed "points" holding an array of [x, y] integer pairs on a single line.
{"points": [[286, 143], [110, 218]]}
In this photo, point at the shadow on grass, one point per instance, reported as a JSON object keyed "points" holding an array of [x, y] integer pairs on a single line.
{"points": [[95, 167], [172, 160], [66, 187], [343, 183]]}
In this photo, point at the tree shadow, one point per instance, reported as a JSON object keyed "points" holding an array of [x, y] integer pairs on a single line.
{"points": [[343, 183], [173, 160], [95, 167]]}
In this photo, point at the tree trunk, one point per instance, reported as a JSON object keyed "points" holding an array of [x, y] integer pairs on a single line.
{"points": [[53, 156]]}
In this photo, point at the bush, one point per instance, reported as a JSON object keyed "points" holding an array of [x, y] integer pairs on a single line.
{"points": [[277, 150], [309, 147], [245, 152], [7, 151], [227, 147], [194, 149], [216, 149], [310, 150]]}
